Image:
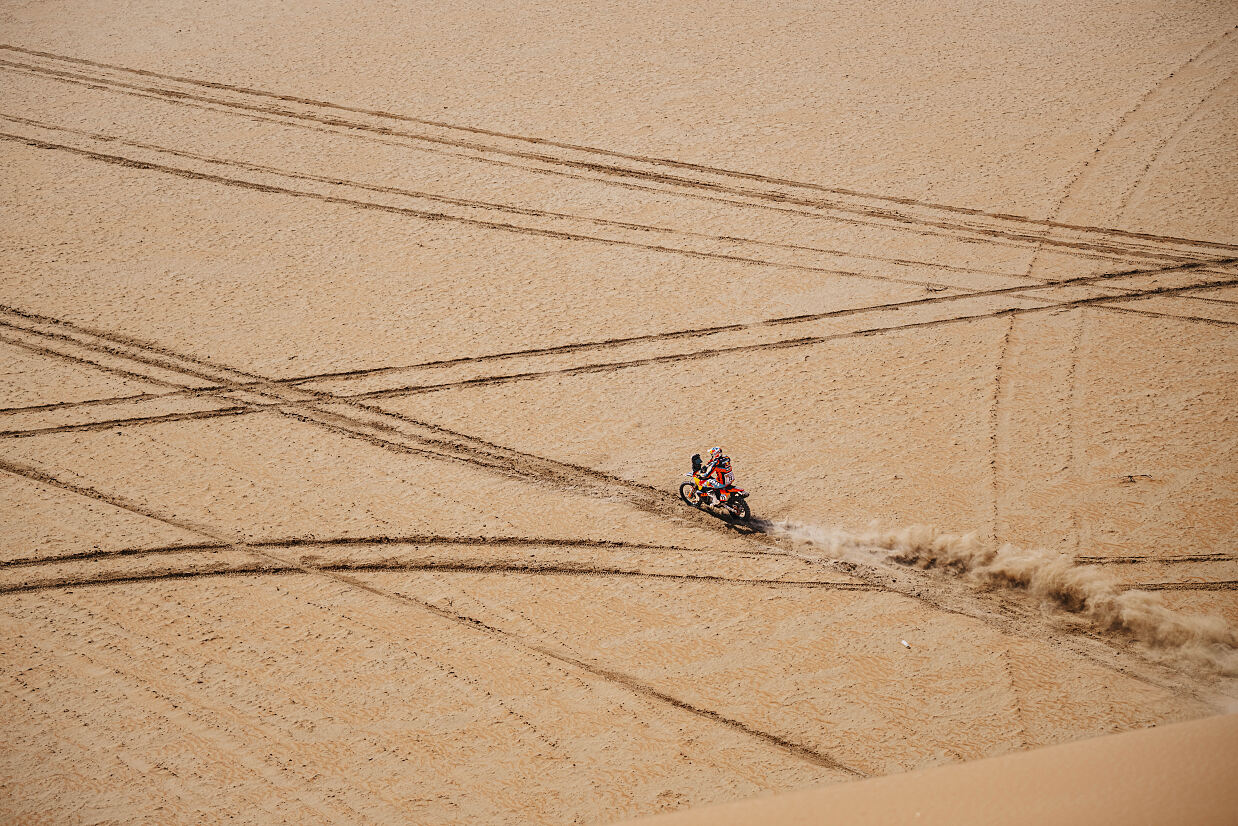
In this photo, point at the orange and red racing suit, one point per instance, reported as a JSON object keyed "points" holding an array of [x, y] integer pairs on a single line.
{"points": [[718, 473]]}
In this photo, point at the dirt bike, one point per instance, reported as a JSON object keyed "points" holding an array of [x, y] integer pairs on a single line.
{"points": [[730, 499]]}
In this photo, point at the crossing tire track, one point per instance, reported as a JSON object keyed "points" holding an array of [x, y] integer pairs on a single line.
{"points": [[679, 180], [595, 345], [503, 461], [559, 173], [790, 343], [1069, 191], [51, 353], [287, 407], [564, 476], [1216, 322], [512, 640]]}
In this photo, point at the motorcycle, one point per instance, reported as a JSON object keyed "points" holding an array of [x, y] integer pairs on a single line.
{"points": [[732, 501]]}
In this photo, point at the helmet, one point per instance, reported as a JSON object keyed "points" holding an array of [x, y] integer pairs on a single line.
{"points": [[714, 453]]}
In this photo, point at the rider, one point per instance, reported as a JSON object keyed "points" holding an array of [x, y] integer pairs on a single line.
{"points": [[717, 475]]}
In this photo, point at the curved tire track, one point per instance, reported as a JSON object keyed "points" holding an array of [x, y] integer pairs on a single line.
{"points": [[223, 570], [1071, 189], [1172, 138], [507, 638], [443, 443]]}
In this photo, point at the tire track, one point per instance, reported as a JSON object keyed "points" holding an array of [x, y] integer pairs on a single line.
{"points": [[916, 224], [501, 208], [1133, 191], [561, 476], [249, 570], [1122, 121], [1213, 321], [347, 541], [127, 374], [326, 128], [130, 421], [1070, 189], [113, 400], [623, 171], [607, 343], [786, 320], [995, 430], [1155, 559], [1008, 670], [601, 367], [506, 638], [1212, 300], [1072, 404], [1228, 585], [799, 212], [520, 229], [286, 406], [457, 202], [787, 343]]}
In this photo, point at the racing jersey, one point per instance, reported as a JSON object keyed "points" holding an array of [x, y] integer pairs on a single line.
{"points": [[719, 471]]}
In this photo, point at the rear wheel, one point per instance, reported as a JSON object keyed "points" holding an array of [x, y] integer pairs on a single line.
{"points": [[687, 492], [739, 508]]}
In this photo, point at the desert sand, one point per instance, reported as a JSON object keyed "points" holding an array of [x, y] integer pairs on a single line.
{"points": [[351, 356], [1181, 773]]}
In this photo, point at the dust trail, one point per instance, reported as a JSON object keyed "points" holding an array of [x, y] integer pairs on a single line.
{"points": [[1053, 578]]}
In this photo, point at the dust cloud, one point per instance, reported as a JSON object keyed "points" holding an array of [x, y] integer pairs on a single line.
{"points": [[1054, 578]]}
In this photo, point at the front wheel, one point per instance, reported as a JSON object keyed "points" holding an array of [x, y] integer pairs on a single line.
{"points": [[688, 493], [739, 509]]}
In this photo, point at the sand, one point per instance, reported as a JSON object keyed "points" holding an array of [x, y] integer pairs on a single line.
{"points": [[350, 359], [1182, 773]]}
